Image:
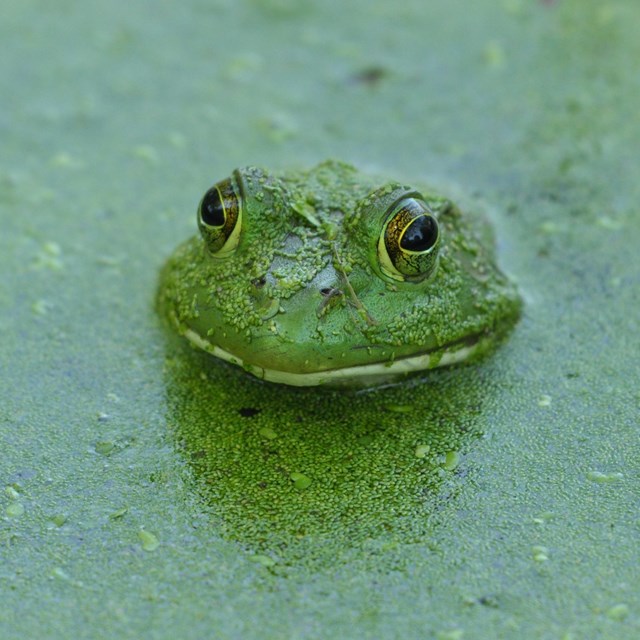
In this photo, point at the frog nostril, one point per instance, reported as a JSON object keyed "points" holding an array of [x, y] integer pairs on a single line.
{"points": [[330, 292]]}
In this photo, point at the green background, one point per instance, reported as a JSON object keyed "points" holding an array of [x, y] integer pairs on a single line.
{"points": [[149, 492]]}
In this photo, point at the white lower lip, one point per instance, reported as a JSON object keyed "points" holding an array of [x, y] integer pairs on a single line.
{"points": [[374, 373]]}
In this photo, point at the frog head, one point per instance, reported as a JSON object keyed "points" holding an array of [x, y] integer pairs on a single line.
{"points": [[332, 276]]}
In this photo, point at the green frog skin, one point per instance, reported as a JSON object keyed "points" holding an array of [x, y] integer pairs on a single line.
{"points": [[332, 276]]}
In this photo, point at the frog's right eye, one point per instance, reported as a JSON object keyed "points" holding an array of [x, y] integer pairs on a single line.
{"points": [[409, 242], [220, 218]]}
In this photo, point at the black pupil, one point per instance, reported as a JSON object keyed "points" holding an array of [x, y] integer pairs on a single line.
{"points": [[211, 209], [420, 235]]}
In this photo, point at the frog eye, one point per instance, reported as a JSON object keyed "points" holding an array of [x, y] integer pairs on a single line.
{"points": [[409, 241], [220, 217]]}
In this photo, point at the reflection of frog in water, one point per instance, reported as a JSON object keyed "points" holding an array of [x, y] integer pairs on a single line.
{"points": [[332, 276]]}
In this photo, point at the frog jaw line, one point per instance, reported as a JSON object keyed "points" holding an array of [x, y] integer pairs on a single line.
{"points": [[376, 371]]}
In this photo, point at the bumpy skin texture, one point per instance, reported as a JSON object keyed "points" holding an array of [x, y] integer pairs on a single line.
{"points": [[304, 290]]}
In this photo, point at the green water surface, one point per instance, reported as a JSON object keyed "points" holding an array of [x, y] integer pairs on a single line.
{"points": [[147, 491]]}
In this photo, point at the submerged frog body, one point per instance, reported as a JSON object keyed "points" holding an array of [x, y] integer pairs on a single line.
{"points": [[332, 276]]}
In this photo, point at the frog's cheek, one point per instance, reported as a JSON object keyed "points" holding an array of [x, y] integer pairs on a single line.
{"points": [[269, 308]]}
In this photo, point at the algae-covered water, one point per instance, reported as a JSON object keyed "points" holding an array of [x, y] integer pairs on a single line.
{"points": [[150, 492]]}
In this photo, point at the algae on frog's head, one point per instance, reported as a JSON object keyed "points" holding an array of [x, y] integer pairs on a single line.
{"points": [[312, 277]]}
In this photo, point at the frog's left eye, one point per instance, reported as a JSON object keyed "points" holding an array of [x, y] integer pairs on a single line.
{"points": [[409, 241], [220, 218]]}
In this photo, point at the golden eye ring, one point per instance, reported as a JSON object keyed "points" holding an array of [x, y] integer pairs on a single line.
{"points": [[409, 241], [220, 218]]}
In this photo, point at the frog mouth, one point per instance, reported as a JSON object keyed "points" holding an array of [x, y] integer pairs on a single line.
{"points": [[357, 375]]}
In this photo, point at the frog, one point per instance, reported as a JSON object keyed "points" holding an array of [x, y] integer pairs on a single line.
{"points": [[331, 276]]}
